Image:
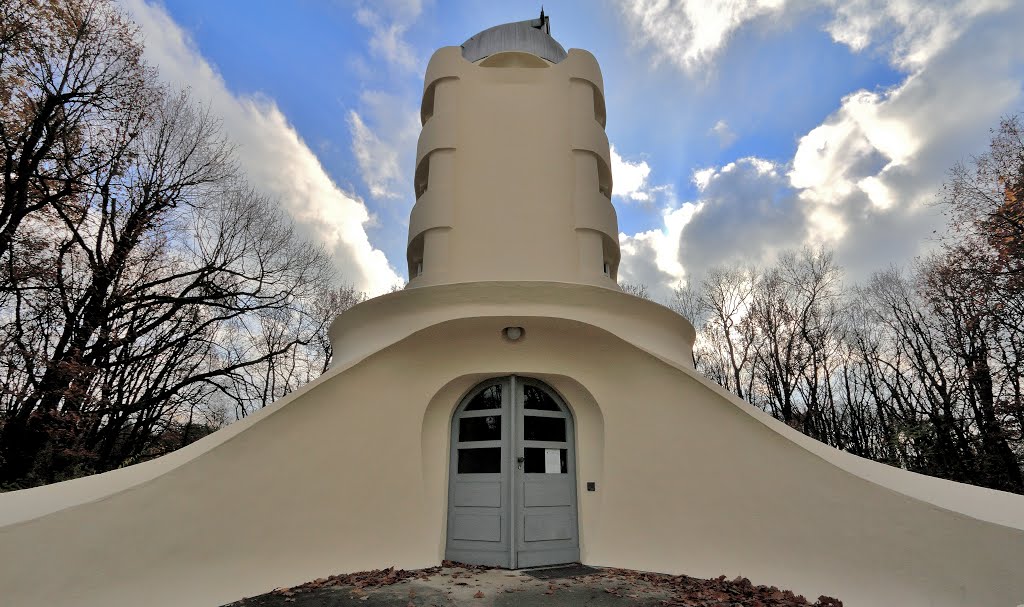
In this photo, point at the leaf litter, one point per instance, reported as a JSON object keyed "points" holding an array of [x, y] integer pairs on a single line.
{"points": [[682, 590]]}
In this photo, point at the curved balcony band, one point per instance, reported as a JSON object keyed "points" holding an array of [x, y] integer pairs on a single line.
{"points": [[432, 98], [598, 255], [602, 170], [433, 210], [587, 135], [584, 91], [438, 133], [501, 163], [595, 212]]}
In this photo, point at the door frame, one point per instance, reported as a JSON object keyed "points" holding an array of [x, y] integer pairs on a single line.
{"points": [[514, 478]]}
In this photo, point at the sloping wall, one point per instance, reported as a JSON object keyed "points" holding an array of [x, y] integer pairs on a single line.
{"points": [[351, 475]]}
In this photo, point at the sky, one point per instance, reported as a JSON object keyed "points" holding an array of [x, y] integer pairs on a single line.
{"points": [[739, 128]]}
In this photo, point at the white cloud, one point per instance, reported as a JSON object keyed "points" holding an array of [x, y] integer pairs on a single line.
{"points": [[388, 23], [385, 148], [744, 213], [690, 33], [725, 134], [852, 151], [922, 27], [862, 181], [271, 153], [365, 146], [890, 151], [702, 177], [850, 154], [652, 258], [629, 179]]}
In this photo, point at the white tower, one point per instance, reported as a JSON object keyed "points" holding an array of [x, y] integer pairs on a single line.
{"points": [[513, 173]]}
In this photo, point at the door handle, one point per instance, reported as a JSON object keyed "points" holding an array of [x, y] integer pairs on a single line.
{"points": [[520, 460]]}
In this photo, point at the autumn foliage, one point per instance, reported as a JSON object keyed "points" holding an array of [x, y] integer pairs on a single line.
{"points": [[147, 293]]}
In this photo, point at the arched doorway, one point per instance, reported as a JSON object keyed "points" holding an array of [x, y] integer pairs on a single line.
{"points": [[512, 477]]}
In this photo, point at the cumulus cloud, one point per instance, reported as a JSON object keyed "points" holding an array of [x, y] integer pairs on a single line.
{"points": [[651, 258], [862, 181], [893, 149], [629, 179], [271, 153], [702, 177], [745, 212]]}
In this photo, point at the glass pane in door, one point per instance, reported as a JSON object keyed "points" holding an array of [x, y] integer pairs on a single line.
{"points": [[535, 398], [480, 428], [489, 398], [537, 460], [480, 461], [544, 428]]}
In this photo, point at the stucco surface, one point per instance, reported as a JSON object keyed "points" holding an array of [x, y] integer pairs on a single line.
{"points": [[352, 475], [513, 173]]}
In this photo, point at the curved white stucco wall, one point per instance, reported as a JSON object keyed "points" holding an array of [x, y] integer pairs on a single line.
{"points": [[351, 475]]}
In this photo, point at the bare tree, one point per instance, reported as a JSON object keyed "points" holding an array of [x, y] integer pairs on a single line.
{"points": [[304, 343], [69, 73], [914, 380], [144, 288], [686, 301], [919, 369], [727, 295], [635, 289]]}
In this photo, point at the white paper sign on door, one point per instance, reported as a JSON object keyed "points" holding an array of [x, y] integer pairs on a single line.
{"points": [[552, 461]]}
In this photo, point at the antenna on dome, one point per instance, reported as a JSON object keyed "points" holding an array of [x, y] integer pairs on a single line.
{"points": [[545, 23]]}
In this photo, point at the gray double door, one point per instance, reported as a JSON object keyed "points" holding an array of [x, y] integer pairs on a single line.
{"points": [[512, 477]]}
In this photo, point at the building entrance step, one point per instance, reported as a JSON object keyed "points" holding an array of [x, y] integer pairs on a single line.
{"points": [[557, 572]]}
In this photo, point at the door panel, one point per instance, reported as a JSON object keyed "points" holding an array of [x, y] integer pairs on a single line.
{"points": [[541, 493], [479, 485], [547, 526], [512, 477], [479, 494], [546, 480], [477, 527]]}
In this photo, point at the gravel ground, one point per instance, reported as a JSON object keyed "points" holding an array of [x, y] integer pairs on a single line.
{"points": [[456, 585]]}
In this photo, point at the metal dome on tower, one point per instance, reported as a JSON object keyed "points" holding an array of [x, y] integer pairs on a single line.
{"points": [[530, 36]]}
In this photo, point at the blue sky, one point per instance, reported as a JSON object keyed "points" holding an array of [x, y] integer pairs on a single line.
{"points": [[741, 127]]}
